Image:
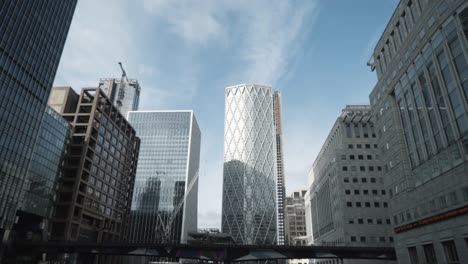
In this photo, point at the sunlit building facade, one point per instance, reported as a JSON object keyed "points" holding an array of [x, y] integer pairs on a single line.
{"points": [[249, 209], [420, 104], [164, 204], [124, 95]]}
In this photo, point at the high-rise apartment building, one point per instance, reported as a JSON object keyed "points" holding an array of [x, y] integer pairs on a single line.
{"points": [[295, 220], [45, 170], [95, 191], [31, 44], [349, 203], [280, 179], [164, 205], [124, 95], [249, 210], [420, 105]]}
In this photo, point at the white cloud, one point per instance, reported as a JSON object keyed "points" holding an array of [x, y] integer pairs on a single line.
{"points": [[194, 21]]}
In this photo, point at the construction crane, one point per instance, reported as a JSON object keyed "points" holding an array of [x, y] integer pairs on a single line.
{"points": [[121, 93]]}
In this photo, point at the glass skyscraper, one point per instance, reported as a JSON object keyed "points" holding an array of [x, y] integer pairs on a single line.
{"points": [[125, 96], [32, 37], [249, 210], [164, 205], [44, 172]]}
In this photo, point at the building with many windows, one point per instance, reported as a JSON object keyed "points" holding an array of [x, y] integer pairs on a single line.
{"points": [[348, 201], [295, 221], [164, 204], [95, 191], [280, 178], [420, 105], [44, 173], [124, 95], [249, 209], [32, 37]]}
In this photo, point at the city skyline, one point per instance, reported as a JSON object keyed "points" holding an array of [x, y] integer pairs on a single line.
{"points": [[180, 67]]}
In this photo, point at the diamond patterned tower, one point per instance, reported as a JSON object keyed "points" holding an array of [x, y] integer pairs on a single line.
{"points": [[249, 211]]}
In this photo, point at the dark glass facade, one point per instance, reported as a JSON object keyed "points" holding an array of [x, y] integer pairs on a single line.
{"points": [[164, 205], [46, 163], [44, 172], [32, 36]]}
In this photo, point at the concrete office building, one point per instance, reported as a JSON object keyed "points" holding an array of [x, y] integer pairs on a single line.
{"points": [[44, 173], [164, 204], [94, 196], [31, 44], [349, 203], [280, 179], [249, 209], [420, 105], [295, 221], [125, 96]]}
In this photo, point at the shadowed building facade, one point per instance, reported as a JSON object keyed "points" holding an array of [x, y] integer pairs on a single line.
{"points": [[32, 37], [249, 209], [164, 205], [95, 191]]}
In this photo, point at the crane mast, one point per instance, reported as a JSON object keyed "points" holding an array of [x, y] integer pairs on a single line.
{"points": [[121, 92]]}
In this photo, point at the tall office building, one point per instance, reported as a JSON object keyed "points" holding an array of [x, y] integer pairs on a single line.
{"points": [[31, 43], [95, 191], [45, 170], [280, 179], [420, 103], [349, 203], [164, 204], [295, 221], [124, 95], [249, 210]]}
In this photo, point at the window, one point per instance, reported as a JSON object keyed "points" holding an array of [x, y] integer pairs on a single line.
{"points": [[367, 146], [379, 221], [363, 179], [361, 157], [363, 239], [375, 146], [383, 192], [413, 255], [360, 221], [351, 221], [367, 204], [376, 204], [429, 253], [353, 239], [345, 180], [349, 204], [369, 157], [358, 204], [362, 168], [382, 239], [348, 192], [450, 251], [343, 157], [351, 157], [355, 179], [372, 180], [353, 168], [388, 221], [365, 192], [453, 198], [359, 146], [371, 168], [379, 168], [385, 204], [356, 192], [375, 192], [370, 221], [345, 168], [350, 146]]}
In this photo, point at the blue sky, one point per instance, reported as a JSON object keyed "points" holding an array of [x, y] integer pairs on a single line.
{"points": [[184, 53]]}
